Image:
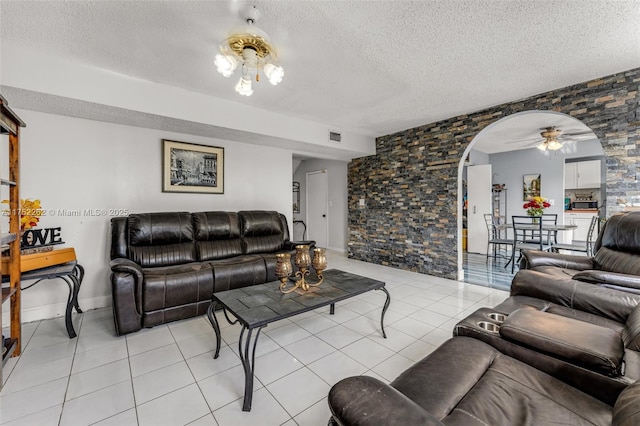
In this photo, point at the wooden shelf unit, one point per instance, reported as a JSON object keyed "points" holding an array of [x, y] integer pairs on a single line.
{"points": [[10, 125]]}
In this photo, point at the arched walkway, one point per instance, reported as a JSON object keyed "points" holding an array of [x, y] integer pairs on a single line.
{"points": [[498, 137]]}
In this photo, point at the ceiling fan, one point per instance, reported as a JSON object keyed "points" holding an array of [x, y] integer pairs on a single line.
{"points": [[553, 138], [550, 142]]}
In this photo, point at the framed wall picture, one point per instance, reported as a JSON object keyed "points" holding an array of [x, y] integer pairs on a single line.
{"points": [[189, 167], [530, 186]]}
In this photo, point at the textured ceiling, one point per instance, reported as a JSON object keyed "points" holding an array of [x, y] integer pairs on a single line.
{"points": [[371, 66]]}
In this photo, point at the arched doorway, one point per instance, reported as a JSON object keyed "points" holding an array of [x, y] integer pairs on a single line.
{"points": [[512, 140]]}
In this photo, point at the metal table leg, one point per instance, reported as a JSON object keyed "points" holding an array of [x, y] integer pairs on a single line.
{"points": [[248, 364], [70, 301], [332, 309], [384, 310], [79, 274], [216, 327]]}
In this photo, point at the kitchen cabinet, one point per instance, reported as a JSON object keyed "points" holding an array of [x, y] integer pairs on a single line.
{"points": [[582, 220], [582, 174]]}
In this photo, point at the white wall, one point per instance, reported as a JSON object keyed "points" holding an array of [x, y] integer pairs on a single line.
{"points": [[77, 164], [337, 171]]}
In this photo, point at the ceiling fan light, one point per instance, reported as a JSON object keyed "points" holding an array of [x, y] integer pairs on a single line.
{"points": [[226, 65], [554, 145], [542, 146], [274, 73], [244, 87]]}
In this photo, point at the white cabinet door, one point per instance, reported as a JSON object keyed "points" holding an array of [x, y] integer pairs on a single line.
{"points": [[570, 175], [588, 174], [479, 196]]}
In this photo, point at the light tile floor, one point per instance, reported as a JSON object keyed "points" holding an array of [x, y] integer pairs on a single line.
{"points": [[167, 375]]}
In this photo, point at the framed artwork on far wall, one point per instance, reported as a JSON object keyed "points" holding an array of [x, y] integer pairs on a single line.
{"points": [[530, 186], [189, 167]]}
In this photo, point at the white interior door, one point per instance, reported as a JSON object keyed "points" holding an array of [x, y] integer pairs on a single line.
{"points": [[479, 196], [317, 207]]}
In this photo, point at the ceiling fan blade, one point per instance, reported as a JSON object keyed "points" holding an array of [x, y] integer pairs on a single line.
{"points": [[525, 141], [578, 133]]}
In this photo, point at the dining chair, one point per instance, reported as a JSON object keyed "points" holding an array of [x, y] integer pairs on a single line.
{"points": [[527, 235], [495, 240], [587, 246]]}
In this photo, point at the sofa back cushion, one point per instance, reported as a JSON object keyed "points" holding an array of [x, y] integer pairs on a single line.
{"points": [[617, 261], [261, 231], [621, 232], [161, 239], [217, 235]]}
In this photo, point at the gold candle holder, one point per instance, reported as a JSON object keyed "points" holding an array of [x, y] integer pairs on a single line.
{"points": [[283, 268], [302, 261]]}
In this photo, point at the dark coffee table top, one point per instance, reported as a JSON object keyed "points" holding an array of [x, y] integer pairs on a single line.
{"points": [[258, 305]]}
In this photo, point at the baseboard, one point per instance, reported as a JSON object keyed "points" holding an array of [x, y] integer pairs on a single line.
{"points": [[56, 310]]}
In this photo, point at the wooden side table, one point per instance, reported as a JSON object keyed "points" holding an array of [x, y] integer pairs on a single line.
{"points": [[50, 265]]}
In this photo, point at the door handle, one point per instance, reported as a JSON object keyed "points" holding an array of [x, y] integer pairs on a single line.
{"points": [[474, 209]]}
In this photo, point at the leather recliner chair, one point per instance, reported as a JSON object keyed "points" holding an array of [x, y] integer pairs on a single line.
{"points": [[467, 382], [616, 263]]}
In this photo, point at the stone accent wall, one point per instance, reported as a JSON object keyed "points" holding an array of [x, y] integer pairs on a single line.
{"points": [[410, 186]]}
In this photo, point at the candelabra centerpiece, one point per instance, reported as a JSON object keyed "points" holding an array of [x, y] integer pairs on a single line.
{"points": [[302, 261]]}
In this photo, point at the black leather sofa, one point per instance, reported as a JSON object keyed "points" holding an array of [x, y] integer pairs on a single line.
{"points": [[561, 349], [468, 382], [616, 263], [166, 266]]}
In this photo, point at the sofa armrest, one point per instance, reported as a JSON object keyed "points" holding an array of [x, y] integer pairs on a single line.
{"points": [[581, 343], [126, 287], [604, 277], [364, 401], [534, 258]]}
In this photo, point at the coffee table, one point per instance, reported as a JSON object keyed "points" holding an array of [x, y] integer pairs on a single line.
{"points": [[257, 306]]}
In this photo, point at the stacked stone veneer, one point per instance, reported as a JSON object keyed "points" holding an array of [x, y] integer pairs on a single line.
{"points": [[410, 186]]}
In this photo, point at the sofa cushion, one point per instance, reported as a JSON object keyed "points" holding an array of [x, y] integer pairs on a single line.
{"points": [[238, 271], [626, 412], [467, 382], [261, 231], [621, 233], [631, 333], [161, 239], [617, 261], [581, 343], [170, 286], [217, 235]]}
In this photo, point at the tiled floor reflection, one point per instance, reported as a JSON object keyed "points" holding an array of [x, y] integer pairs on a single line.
{"points": [[167, 375]]}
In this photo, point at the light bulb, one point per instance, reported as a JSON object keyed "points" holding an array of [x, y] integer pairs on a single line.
{"points": [[244, 87], [273, 73], [226, 65], [554, 145], [542, 146]]}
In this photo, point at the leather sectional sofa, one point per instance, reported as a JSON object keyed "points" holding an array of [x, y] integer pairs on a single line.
{"points": [[616, 263], [560, 350], [166, 266], [467, 382], [527, 361]]}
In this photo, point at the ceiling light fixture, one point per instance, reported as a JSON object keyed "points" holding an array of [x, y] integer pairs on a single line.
{"points": [[251, 48], [550, 135]]}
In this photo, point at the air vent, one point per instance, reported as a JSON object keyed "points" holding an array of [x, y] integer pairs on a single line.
{"points": [[335, 136]]}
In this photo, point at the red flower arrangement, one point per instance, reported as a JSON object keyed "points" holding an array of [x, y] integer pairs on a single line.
{"points": [[536, 206]]}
